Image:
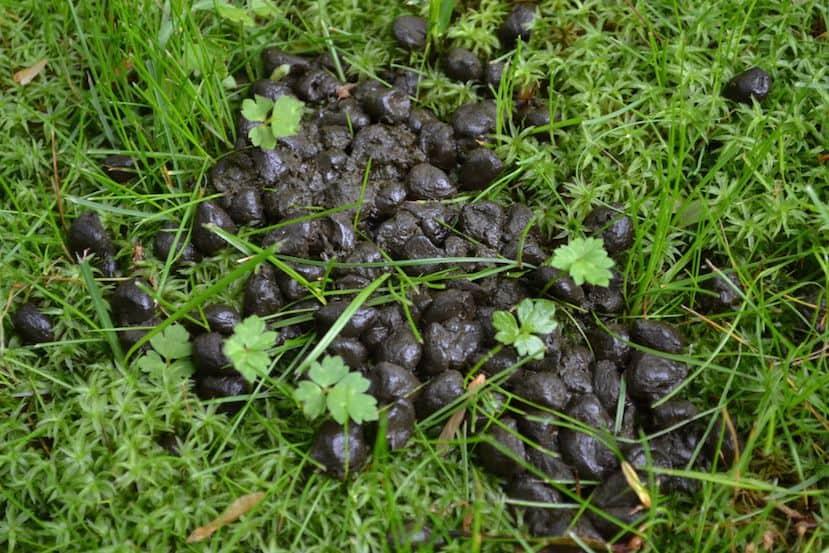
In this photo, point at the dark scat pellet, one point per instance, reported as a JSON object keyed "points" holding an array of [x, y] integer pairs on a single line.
{"points": [[427, 182], [131, 336], [119, 168], [606, 384], [389, 197], [269, 89], [449, 345], [474, 120], [410, 32], [163, 244], [390, 382], [420, 247], [208, 242], [540, 521], [753, 84], [574, 370], [389, 106], [551, 465], [541, 388], [585, 453], [517, 25], [439, 392], [613, 227], [494, 459], [219, 387], [262, 294], [721, 293], [657, 335], [449, 304], [316, 85], [245, 207], [483, 222], [232, 172], [493, 72], [361, 320], [672, 413], [462, 65], [352, 351], [534, 115], [607, 300], [274, 58], [335, 137], [611, 344], [339, 453], [615, 497], [87, 234], [32, 325], [401, 348], [650, 378], [480, 169], [131, 305], [222, 318], [437, 140], [419, 118], [400, 417], [208, 355]]}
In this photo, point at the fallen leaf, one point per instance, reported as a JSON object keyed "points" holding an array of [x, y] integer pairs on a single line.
{"points": [[456, 419], [636, 484], [236, 509], [25, 76]]}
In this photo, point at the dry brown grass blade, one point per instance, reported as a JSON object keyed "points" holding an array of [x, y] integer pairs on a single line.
{"points": [[636, 484], [454, 422], [236, 509], [25, 76]]}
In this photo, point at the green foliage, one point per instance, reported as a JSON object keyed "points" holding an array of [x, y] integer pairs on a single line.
{"points": [[248, 348], [172, 353], [236, 14], [331, 385], [535, 317], [280, 118], [586, 260]]}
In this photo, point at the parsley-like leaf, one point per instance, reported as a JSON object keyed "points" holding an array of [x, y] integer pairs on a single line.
{"points": [[311, 397], [151, 362], [287, 114], [507, 328], [537, 317], [262, 137], [348, 400], [586, 260], [329, 372], [529, 345], [172, 343], [257, 109], [248, 348]]}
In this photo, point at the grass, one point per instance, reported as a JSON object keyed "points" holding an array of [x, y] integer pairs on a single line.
{"points": [[712, 186]]}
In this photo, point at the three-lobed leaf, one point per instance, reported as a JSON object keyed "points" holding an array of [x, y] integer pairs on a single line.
{"points": [[586, 260], [537, 316], [262, 137], [287, 115], [247, 348], [311, 397], [333, 387], [257, 109], [507, 328], [172, 343]]}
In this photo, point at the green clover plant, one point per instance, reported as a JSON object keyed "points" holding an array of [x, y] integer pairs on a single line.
{"points": [[280, 118], [586, 260], [331, 386], [535, 317], [171, 355], [247, 349]]}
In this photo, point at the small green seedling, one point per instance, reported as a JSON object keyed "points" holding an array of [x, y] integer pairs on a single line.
{"points": [[535, 317], [172, 353], [332, 386], [280, 118], [247, 349], [586, 260]]}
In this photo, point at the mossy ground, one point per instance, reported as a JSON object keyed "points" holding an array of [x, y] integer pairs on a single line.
{"points": [[636, 85]]}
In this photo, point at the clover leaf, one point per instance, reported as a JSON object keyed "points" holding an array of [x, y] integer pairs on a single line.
{"points": [[247, 349], [586, 260]]}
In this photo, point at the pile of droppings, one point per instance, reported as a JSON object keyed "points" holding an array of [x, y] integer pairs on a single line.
{"points": [[371, 179]]}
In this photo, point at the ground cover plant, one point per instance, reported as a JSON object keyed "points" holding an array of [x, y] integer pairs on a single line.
{"points": [[615, 122]]}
